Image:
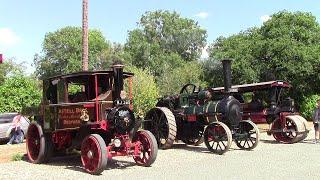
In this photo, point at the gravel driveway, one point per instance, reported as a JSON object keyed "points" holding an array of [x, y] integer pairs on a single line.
{"points": [[269, 160]]}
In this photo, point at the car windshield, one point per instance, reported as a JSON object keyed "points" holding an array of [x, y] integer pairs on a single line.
{"points": [[6, 118]]}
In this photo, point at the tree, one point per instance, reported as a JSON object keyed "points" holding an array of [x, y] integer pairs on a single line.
{"points": [[161, 34], [61, 51], [18, 92], [9, 67], [174, 79], [286, 47], [5, 68]]}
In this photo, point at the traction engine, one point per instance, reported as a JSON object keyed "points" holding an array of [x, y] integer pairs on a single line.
{"points": [[193, 117], [90, 112]]}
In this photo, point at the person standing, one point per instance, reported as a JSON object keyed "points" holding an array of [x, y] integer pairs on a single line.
{"points": [[316, 122], [16, 134]]}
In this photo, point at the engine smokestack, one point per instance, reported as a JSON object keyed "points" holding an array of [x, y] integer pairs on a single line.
{"points": [[118, 79], [227, 74]]}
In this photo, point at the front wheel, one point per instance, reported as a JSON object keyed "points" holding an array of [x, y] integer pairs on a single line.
{"points": [[148, 148], [94, 154], [248, 135], [217, 137], [196, 141]]}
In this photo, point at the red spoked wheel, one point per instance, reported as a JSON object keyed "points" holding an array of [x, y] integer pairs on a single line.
{"points": [[217, 137], [148, 148], [94, 154], [39, 147]]}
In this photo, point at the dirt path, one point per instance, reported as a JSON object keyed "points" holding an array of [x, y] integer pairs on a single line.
{"points": [[8, 151]]}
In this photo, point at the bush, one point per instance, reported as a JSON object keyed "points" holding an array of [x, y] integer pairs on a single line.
{"points": [[17, 157], [18, 92], [145, 90], [308, 105]]}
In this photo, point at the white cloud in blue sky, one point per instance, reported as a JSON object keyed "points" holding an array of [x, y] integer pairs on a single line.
{"points": [[202, 15], [8, 38], [265, 18]]}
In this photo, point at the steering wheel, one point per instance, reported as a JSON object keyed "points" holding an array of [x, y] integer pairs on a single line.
{"points": [[188, 89]]}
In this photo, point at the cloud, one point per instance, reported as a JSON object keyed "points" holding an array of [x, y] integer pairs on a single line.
{"points": [[265, 18], [8, 37], [202, 15]]}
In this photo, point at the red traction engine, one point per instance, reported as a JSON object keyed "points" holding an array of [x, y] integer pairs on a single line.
{"points": [[90, 112]]}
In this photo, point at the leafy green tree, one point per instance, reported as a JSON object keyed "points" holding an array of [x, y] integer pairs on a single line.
{"points": [[61, 51], [174, 79], [7, 68], [145, 90], [164, 34], [286, 47], [4, 70], [308, 105], [18, 92]]}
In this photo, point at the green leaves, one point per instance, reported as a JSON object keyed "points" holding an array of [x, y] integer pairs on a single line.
{"points": [[168, 46], [286, 47], [164, 34], [18, 92], [62, 49], [145, 90], [309, 104]]}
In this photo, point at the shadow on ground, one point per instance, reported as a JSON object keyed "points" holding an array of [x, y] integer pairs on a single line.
{"points": [[273, 141], [198, 149], [73, 162]]}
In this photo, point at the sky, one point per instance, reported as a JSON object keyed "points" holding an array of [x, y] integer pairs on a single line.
{"points": [[23, 24]]}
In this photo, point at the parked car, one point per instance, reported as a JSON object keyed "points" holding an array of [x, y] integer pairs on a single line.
{"points": [[6, 125]]}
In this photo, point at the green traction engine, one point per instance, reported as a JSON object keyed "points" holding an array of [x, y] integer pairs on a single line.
{"points": [[194, 116]]}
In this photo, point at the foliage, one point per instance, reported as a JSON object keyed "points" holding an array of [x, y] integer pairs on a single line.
{"points": [[164, 38], [61, 52], [145, 91], [7, 68], [175, 78], [286, 47], [18, 92], [17, 157], [308, 105]]}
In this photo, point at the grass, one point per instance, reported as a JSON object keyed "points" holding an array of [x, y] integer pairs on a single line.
{"points": [[17, 157]]}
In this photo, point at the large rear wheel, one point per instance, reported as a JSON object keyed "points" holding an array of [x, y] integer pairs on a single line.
{"points": [[161, 123], [217, 137], [148, 148], [94, 154], [39, 146]]}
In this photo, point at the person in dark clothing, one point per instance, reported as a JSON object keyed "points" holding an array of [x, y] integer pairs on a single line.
{"points": [[316, 121], [17, 133]]}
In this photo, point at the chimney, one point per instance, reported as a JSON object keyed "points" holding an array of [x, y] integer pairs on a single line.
{"points": [[118, 79], [227, 74]]}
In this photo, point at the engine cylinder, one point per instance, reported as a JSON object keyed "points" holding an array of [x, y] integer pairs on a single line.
{"points": [[230, 109]]}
